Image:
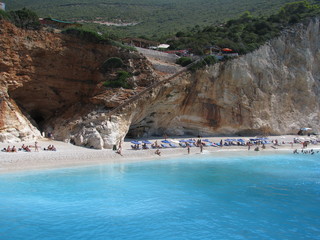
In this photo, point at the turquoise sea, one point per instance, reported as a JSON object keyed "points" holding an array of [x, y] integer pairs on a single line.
{"points": [[195, 197]]}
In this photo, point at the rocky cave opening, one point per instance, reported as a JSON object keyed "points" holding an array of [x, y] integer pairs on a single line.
{"points": [[38, 119], [37, 106]]}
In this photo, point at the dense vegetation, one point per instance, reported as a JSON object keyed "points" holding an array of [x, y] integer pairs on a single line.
{"points": [[155, 18], [245, 33], [206, 61], [23, 18], [184, 61], [86, 35], [120, 81]]}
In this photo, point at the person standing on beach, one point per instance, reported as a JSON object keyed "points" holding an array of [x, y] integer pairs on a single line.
{"points": [[36, 149], [188, 147], [201, 147], [165, 136], [120, 144], [119, 152]]}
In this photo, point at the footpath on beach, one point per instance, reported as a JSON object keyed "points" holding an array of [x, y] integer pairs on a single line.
{"points": [[68, 155]]}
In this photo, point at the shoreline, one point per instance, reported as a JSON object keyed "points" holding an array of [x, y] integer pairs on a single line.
{"points": [[68, 155]]}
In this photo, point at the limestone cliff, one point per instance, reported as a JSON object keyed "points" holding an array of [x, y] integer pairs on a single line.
{"points": [[55, 81], [274, 90]]}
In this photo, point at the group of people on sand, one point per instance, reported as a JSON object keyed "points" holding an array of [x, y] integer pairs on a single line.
{"points": [[9, 149], [256, 144], [27, 148], [24, 148], [50, 148], [135, 147], [155, 145]]}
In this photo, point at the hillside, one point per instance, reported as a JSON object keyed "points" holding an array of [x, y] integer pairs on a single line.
{"points": [[245, 33], [150, 18]]}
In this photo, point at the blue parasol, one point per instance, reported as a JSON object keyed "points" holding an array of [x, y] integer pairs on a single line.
{"points": [[146, 142], [166, 141], [135, 142]]}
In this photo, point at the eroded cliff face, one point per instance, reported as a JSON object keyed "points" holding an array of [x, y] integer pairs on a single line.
{"points": [[13, 123], [54, 83], [274, 90], [44, 76]]}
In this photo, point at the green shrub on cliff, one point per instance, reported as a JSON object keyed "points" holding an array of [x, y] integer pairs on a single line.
{"points": [[24, 18], [86, 35], [122, 46], [184, 61], [206, 61], [4, 15], [120, 81]]}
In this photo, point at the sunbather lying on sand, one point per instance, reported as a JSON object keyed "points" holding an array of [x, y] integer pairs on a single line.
{"points": [[50, 148], [158, 152]]}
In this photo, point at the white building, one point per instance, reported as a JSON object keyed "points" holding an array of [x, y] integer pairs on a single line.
{"points": [[2, 6]]}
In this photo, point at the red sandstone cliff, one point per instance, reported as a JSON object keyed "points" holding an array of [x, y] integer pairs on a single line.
{"points": [[44, 76]]}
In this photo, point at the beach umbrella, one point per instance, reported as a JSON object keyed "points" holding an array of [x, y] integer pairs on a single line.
{"points": [[183, 140], [146, 142], [305, 129], [135, 142], [226, 49], [229, 140], [240, 140], [206, 140], [191, 141], [165, 141]]}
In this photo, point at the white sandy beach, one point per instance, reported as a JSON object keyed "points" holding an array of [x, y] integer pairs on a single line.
{"points": [[68, 155]]}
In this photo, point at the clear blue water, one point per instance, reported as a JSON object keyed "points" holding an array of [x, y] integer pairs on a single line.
{"points": [[202, 197]]}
